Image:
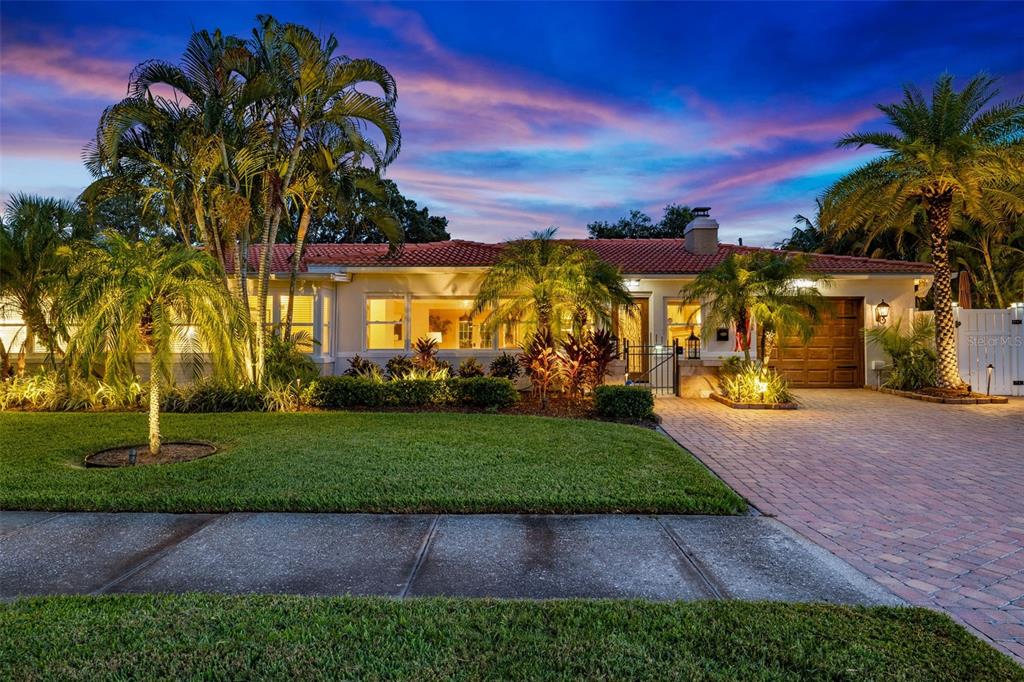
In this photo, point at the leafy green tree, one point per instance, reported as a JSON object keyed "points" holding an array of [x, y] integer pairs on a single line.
{"points": [[549, 285], [36, 236], [946, 159], [132, 297], [352, 218], [757, 286], [639, 225]]}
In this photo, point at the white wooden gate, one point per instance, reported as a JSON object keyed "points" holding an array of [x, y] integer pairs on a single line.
{"points": [[992, 338]]}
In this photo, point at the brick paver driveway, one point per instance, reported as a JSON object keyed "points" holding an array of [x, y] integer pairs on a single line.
{"points": [[927, 499]]}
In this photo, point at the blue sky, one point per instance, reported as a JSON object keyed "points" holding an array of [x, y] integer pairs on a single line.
{"points": [[517, 116]]}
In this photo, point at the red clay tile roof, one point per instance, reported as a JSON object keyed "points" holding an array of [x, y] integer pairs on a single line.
{"points": [[632, 256]]}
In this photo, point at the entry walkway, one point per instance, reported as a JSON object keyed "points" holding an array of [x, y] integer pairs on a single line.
{"points": [[927, 499], [515, 556]]}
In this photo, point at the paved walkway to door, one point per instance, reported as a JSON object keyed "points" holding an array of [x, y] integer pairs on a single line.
{"points": [[927, 499]]}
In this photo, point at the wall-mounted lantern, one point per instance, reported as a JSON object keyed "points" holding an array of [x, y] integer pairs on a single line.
{"points": [[882, 312], [693, 346]]}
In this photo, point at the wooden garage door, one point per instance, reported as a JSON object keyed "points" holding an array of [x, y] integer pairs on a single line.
{"points": [[834, 357]]}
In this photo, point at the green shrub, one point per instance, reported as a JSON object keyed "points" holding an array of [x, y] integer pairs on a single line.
{"points": [[469, 368], [209, 395], [286, 359], [752, 382], [345, 391], [912, 353], [365, 369], [489, 393], [417, 392], [506, 366], [53, 391], [399, 366], [624, 402]]}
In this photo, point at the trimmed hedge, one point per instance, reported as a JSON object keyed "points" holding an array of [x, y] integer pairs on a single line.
{"points": [[624, 402], [340, 392], [483, 392]]}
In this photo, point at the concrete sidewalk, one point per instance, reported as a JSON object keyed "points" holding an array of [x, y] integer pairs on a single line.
{"points": [[511, 556]]}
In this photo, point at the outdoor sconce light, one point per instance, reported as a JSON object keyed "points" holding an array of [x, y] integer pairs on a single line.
{"points": [[693, 347], [882, 312], [632, 284]]}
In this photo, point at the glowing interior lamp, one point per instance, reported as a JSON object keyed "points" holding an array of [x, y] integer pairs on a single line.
{"points": [[882, 312]]}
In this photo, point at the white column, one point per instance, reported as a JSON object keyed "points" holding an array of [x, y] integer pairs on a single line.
{"points": [[318, 322]]}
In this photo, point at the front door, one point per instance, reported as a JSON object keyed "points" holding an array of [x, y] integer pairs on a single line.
{"points": [[633, 330], [634, 325]]}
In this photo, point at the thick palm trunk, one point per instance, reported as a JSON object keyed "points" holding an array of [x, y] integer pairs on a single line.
{"points": [[947, 373], [154, 411], [300, 241]]}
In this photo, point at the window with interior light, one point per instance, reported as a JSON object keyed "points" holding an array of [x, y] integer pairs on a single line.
{"points": [[450, 322], [385, 323], [681, 318]]}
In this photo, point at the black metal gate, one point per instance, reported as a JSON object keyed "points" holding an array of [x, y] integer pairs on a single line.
{"points": [[655, 366]]}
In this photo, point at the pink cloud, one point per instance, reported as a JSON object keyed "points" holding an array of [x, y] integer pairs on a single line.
{"points": [[60, 66]]}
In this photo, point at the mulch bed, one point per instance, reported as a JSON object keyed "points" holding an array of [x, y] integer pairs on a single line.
{"points": [[946, 396], [752, 406], [170, 453]]}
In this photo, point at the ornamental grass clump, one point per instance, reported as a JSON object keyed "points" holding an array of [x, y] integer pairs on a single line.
{"points": [[752, 382]]}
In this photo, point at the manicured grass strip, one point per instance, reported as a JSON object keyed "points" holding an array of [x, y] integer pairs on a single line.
{"points": [[349, 462], [266, 637]]}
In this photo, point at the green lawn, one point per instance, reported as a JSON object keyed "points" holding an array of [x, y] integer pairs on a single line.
{"points": [[346, 462], [218, 637]]}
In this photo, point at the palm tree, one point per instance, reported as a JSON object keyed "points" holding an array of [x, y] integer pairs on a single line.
{"points": [[222, 153], [141, 296], [547, 283], [759, 286], [947, 158], [35, 236]]}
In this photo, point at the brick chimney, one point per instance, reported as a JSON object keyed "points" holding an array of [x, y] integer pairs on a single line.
{"points": [[701, 234]]}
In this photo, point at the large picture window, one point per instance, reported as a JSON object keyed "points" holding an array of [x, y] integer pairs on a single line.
{"points": [[385, 323], [450, 322], [681, 318]]}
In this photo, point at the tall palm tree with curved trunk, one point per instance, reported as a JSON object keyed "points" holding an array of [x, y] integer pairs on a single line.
{"points": [[225, 148], [136, 297], [948, 158], [762, 287], [36, 234], [549, 284]]}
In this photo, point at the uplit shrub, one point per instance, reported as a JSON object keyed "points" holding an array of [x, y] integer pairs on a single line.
{"points": [[469, 368], [752, 382], [54, 391], [363, 368], [345, 391], [489, 393], [399, 366], [631, 403], [506, 366]]}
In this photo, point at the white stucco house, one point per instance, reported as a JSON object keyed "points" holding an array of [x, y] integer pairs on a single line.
{"points": [[356, 299]]}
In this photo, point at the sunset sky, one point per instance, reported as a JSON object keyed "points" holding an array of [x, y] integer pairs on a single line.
{"points": [[520, 116]]}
